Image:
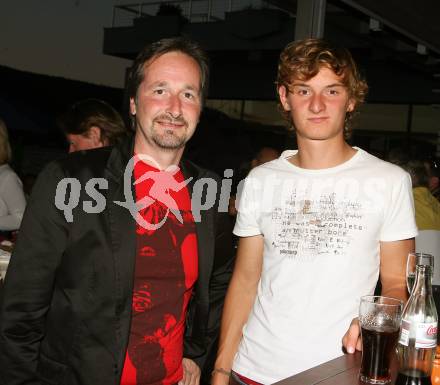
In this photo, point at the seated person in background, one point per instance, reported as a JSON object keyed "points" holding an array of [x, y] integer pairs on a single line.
{"points": [[433, 168], [92, 123], [12, 200], [265, 154], [427, 209], [426, 206], [398, 156]]}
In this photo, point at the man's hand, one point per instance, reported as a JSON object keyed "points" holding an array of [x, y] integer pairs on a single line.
{"points": [[191, 373], [352, 339]]}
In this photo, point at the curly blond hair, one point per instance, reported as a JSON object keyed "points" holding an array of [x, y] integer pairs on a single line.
{"points": [[302, 60]]}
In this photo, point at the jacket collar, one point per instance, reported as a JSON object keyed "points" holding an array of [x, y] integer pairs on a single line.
{"points": [[119, 157]]}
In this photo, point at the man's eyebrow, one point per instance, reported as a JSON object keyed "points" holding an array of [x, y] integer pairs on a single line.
{"points": [[164, 83], [327, 86], [299, 85], [192, 88], [160, 83], [335, 85]]}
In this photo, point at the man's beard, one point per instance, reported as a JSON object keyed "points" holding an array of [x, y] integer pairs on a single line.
{"points": [[169, 140]]}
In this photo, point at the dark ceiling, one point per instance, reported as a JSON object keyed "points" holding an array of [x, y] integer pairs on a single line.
{"points": [[396, 43]]}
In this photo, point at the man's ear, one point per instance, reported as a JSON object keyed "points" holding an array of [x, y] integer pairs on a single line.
{"points": [[351, 105], [132, 106], [282, 92], [94, 134]]}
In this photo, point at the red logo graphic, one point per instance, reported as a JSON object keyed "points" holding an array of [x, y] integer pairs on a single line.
{"points": [[164, 181], [432, 330]]}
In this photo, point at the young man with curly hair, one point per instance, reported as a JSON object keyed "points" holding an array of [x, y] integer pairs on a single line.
{"points": [[317, 226]]}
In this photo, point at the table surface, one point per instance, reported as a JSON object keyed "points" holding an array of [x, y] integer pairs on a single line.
{"points": [[340, 371]]}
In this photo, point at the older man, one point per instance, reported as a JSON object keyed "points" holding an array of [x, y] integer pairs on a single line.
{"points": [[101, 290]]}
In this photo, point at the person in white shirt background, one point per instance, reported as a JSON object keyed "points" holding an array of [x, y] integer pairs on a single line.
{"points": [[12, 199]]}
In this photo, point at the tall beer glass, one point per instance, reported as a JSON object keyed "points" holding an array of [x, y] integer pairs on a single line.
{"points": [[379, 318]]}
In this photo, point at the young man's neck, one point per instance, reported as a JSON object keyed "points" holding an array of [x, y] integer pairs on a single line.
{"points": [[322, 154]]}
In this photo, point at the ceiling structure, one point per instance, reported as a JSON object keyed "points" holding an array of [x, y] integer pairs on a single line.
{"points": [[395, 42]]}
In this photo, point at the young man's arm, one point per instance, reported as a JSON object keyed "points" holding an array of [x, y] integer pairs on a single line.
{"points": [[221, 274], [238, 303], [393, 267], [393, 257]]}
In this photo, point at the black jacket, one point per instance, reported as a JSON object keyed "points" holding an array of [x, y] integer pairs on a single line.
{"points": [[65, 311]]}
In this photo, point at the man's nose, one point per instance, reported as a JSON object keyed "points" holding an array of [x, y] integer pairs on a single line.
{"points": [[317, 103], [175, 106]]}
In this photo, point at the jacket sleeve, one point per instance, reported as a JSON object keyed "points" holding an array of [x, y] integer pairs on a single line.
{"points": [[27, 292], [221, 275]]}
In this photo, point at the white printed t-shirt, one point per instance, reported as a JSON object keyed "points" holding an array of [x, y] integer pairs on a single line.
{"points": [[321, 232]]}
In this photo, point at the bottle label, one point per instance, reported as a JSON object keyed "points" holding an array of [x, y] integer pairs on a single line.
{"points": [[426, 334], [404, 333]]}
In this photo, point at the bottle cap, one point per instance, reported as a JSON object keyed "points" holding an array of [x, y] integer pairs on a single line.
{"points": [[423, 259]]}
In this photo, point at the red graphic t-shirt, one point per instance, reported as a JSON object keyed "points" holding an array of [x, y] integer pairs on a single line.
{"points": [[165, 273]]}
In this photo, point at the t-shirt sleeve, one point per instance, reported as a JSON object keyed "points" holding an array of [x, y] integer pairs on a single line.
{"points": [[399, 221], [248, 203]]}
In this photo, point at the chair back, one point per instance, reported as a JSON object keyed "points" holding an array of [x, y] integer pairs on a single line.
{"points": [[428, 241]]}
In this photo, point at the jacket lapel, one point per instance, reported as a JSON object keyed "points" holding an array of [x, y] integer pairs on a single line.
{"points": [[123, 239], [123, 242]]}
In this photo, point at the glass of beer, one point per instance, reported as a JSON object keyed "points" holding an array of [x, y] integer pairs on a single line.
{"points": [[379, 318]]}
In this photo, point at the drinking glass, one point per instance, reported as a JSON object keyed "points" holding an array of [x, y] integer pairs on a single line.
{"points": [[3, 268], [379, 318], [411, 262]]}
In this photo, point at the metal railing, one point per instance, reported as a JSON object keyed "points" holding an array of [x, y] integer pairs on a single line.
{"points": [[193, 10]]}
